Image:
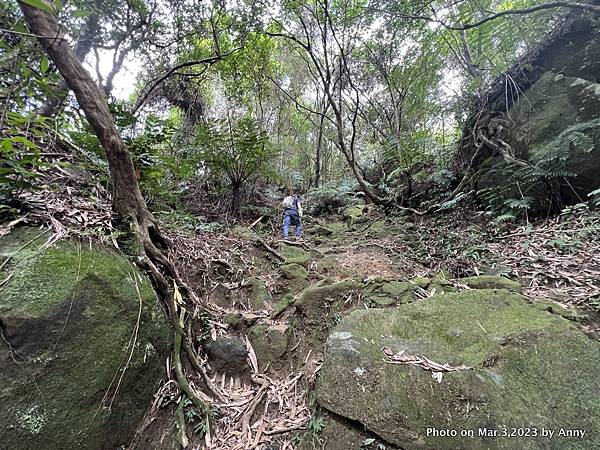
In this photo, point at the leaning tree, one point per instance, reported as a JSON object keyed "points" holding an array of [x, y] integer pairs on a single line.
{"points": [[128, 203]]}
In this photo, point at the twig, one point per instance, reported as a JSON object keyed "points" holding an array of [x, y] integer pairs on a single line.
{"points": [[264, 384], [270, 249], [182, 434], [256, 221]]}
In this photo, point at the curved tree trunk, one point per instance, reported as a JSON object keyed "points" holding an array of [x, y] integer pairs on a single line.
{"points": [[127, 201], [83, 46]]}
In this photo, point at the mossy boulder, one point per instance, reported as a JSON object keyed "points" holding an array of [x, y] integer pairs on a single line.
{"points": [[86, 341], [227, 355], [295, 255], [354, 214], [284, 303], [320, 306], [320, 230], [557, 308], [554, 126], [269, 342], [402, 291], [527, 368], [293, 272], [258, 294], [491, 282]]}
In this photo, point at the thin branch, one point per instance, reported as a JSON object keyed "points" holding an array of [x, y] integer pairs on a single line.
{"points": [[510, 12], [157, 81]]}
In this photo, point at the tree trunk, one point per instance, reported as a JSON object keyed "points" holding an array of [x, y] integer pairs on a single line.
{"points": [[83, 46], [127, 200], [126, 195], [349, 155], [236, 199], [318, 154]]}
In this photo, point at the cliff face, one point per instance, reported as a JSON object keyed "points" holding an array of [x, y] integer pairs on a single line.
{"points": [[543, 120]]}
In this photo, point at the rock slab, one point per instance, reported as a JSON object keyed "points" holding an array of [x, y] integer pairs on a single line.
{"points": [[84, 346], [528, 369]]}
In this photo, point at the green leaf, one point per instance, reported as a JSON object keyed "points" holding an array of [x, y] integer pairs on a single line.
{"points": [[81, 13], [40, 4], [44, 64]]}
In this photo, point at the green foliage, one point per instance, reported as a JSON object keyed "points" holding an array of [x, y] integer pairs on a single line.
{"points": [[198, 421], [332, 197], [595, 197], [449, 204], [42, 5], [19, 159], [179, 219], [239, 150], [315, 424], [561, 157]]}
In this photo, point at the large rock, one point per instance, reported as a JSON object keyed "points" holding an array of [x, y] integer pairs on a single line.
{"points": [[528, 369], [547, 108], [555, 126], [85, 340]]}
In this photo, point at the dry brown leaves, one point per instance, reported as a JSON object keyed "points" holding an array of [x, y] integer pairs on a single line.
{"points": [[402, 357], [66, 197], [265, 412], [557, 258]]}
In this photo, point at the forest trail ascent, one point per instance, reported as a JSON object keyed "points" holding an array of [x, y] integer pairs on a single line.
{"points": [[279, 310]]}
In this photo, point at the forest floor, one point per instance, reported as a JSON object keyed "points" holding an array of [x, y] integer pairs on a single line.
{"points": [[266, 292]]}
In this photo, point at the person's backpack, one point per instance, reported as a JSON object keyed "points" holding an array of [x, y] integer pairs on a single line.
{"points": [[288, 202]]}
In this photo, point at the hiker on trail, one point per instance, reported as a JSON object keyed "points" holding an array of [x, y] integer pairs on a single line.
{"points": [[292, 215]]}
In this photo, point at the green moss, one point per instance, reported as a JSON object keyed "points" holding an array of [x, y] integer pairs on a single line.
{"points": [[529, 368], [293, 272], [491, 282], [421, 282], [381, 301], [258, 294], [234, 320], [556, 308], [295, 255], [402, 291], [269, 343], [353, 212], [285, 302], [70, 312]]}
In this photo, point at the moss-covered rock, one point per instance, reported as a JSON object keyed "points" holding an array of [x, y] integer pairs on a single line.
{"points": [[397, 289], [293, 272], [86, 345], [295, 255], [353, 212], [234, 320], [491, 282], [258, 294], [320, 230], [553, 123], [381, 301], [528, 368], [227, 355], [269, 343], [556, 308], [285, 302]]}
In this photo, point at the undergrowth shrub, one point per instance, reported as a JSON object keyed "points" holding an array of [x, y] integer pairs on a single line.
{"points": [[549, 184], [331, 197]]}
